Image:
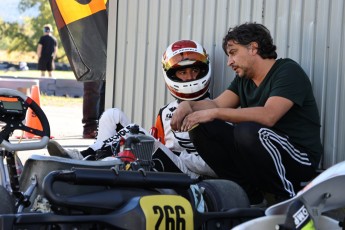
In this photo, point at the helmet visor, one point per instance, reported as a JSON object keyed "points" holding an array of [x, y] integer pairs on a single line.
{"points": [[184, 56]]}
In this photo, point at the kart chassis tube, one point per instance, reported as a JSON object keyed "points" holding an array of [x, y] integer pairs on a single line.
{"points": [[142, 182], [110, 177]]}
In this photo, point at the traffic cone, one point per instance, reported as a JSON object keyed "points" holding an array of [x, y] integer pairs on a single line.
{"points": [[32, 120]]}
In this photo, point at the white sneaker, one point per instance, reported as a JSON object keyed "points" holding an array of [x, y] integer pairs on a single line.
{"points": [[55, 149]]}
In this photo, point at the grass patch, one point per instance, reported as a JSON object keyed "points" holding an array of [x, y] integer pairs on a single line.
{"points": [[37, 74], [46, 100]]}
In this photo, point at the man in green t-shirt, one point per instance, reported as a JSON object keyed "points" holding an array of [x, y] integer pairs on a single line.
{"points": [[263, 132]]}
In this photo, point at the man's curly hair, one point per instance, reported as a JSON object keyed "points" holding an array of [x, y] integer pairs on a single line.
{"points": [[252, 32]]}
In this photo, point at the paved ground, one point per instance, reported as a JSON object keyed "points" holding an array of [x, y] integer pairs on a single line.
{"points": [[66, 128]]}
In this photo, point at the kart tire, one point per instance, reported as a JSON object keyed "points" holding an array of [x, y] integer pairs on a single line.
{"points": [[222, 195], [6, 202]]}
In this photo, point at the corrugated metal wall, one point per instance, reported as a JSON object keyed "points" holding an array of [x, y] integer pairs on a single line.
{"points": [[311, 32]]}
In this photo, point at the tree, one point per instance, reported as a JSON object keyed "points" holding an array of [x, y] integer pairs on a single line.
{"points": [[7, 31], [25, 36], [17, 36]]}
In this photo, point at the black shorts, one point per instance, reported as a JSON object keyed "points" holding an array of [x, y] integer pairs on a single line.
{"points": [[46, 64]]}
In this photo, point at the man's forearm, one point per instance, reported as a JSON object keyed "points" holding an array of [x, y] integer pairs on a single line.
{"points": [[202, 105]]}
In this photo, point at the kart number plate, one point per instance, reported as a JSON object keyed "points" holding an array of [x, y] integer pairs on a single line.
{"points": [[167, 212]]}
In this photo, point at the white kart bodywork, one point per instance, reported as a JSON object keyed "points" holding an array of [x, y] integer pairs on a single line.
{"points": [[324, 193]]}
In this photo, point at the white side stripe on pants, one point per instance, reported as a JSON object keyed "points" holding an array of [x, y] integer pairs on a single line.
{"points": [[267, 137]]}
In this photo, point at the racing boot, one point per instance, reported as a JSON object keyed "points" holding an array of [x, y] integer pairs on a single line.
{"points": [[55, 149]]}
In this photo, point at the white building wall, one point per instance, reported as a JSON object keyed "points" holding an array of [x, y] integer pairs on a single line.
{"points": [[311, 32]]}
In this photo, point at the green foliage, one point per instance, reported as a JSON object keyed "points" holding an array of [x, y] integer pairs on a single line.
{"points": [[17, 36], [5, 40], [25, 36]]}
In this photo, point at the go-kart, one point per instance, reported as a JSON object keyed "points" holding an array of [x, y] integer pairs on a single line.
{"points": [[58, 193]]}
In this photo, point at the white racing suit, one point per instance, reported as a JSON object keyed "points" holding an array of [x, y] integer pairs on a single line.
{"points": [[183, 152], [114, 124]]}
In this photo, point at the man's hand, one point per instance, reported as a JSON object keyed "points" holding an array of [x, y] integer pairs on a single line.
{"points": [[193, 119], [181, 112]]}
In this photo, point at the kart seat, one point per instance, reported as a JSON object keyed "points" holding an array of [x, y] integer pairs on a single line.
{"points": [[38, 166]]}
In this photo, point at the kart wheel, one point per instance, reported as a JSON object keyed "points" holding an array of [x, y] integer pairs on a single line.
{"points": [[6, 202], [221, 195]]}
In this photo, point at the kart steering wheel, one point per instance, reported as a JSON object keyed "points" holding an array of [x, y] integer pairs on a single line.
{"points": [[13, 107]]}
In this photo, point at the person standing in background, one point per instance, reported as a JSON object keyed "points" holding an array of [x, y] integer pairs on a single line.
{"points": [[93, 107], [46, 51]]}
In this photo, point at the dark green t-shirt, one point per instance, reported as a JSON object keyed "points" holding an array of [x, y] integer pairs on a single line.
{"points": [[301, 124]]}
